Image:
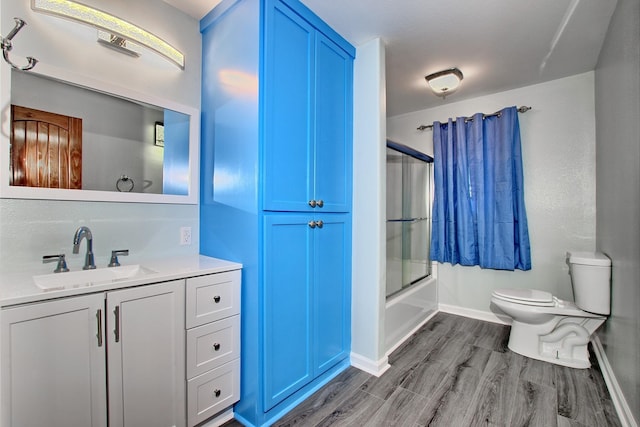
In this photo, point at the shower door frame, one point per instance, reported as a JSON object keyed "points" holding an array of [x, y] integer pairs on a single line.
{"points": [[407, 222]]}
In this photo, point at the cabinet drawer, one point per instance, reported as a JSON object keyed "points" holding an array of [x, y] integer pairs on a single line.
{"points": [[212, 297], [212, 345], [212, 392]]}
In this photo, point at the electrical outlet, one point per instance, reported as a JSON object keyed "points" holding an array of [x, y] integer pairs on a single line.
{"points": [[185, 236]]}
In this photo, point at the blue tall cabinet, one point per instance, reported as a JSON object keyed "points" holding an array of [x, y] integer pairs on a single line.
{"points": [[276, 192]]}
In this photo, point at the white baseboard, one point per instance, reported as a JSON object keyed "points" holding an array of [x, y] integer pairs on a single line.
{"points": [[376, 368], [411, 332], [487, 316], [219, 419], [620, 403]]}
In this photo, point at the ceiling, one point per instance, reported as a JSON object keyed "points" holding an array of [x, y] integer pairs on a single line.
{"points": [[498, 44]]}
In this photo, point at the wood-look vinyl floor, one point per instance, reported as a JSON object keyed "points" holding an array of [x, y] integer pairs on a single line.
{"points": [[458, 372]]}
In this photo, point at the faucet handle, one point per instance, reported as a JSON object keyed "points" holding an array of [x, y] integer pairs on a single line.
{"points": [[62, 262], [114, 257]]}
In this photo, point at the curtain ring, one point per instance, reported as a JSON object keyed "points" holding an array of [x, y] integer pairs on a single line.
{"points": [[126, 182]]}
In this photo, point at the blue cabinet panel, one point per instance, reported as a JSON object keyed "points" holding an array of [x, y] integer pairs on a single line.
{"points": [[331, 293], [306, 299], [333, 118], [287, 304], [276, 134], [288, 126], [308, 118]]}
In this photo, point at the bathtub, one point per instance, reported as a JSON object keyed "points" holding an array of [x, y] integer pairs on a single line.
{"points": [[407, 311]]}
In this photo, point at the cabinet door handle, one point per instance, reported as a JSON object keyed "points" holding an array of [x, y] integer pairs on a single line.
{"points": [[99, 334], [216, 299], [217, 392], [319, 223], [216, 346], [116, 329], [312, 224], [320, 203], [312, 203]]}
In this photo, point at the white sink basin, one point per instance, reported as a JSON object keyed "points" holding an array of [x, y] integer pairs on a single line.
{"points": [[78, 279]]}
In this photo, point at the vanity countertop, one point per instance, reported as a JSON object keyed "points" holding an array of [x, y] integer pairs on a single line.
{"points": [[20, 288]]}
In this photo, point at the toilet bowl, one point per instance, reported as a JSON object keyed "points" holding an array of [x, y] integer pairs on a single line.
{"points": [[547, 328]]}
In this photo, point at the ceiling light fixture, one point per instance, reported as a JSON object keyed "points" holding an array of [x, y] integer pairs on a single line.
{"points": [[444, 82], [121, 31]]}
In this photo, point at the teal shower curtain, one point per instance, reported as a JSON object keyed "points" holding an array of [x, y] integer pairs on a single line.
{"points": [[478, 213]]}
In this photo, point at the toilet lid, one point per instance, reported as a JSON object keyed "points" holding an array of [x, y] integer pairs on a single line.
{"points": [[526, 296]]}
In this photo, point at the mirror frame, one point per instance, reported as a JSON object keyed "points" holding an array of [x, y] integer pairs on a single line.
{"points": [[19, 192]]}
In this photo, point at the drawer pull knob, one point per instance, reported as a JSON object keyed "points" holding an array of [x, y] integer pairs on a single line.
{"points": [[217, 392], [216, 346], [216, 298]]}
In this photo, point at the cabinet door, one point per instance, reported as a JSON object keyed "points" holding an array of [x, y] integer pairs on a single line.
{"points": [[286, 305], [331, 291], [146, 360], [287, 98], [53, 363], [333, 126]]}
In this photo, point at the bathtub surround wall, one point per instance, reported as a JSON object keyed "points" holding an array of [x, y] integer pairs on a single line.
{"points": [[558, 151], [617, 94], [32, 228]]}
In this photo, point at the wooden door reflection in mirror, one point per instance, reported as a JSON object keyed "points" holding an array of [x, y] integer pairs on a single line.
{"points": [[46, 149]]}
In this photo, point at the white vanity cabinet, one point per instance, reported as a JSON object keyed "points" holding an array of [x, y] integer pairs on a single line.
{"points": [[56, 355], [53, 363], [155, 351], [213, 344], [145, 341]]}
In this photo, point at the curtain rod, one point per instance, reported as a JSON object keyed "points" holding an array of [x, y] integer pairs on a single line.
{"points": [[522, 109]]}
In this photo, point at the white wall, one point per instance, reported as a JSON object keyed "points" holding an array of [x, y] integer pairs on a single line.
{"points": [[558, 150], [369, 160], [32, 228], [61, 44], [617, 91]]}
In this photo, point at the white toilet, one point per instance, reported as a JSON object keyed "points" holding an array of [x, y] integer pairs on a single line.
{"points": [[547, 328]]}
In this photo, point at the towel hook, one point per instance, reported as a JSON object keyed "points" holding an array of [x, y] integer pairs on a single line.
{"points": [[5, 43]]}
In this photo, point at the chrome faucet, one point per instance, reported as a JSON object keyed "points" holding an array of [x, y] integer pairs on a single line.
{"points": [[84, 232]]}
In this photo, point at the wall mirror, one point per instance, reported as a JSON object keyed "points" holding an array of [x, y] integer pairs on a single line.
{"points": [[95, 141]]}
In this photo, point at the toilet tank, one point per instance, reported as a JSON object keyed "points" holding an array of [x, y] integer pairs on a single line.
{"points": [[591, 280]]}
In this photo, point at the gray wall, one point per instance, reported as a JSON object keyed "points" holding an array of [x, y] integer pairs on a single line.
{"points": [[617, 91], [32, 228], [558, 153]]}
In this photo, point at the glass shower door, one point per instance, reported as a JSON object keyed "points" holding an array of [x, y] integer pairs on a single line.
{"points": [[408, 220]]}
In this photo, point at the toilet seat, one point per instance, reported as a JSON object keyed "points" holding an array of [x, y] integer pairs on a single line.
{"points": [[530, 297]]}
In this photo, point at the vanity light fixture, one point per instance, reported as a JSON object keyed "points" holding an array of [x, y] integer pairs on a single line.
{"points": [[122, 35], [444, 82], [119, 44]]}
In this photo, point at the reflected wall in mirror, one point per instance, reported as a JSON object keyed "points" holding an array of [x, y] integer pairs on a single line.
{"points": [[118, 141]]}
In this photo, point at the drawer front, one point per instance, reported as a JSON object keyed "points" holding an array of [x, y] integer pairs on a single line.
{"points": [[212, 392], [212, 345], [212, 297]]}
